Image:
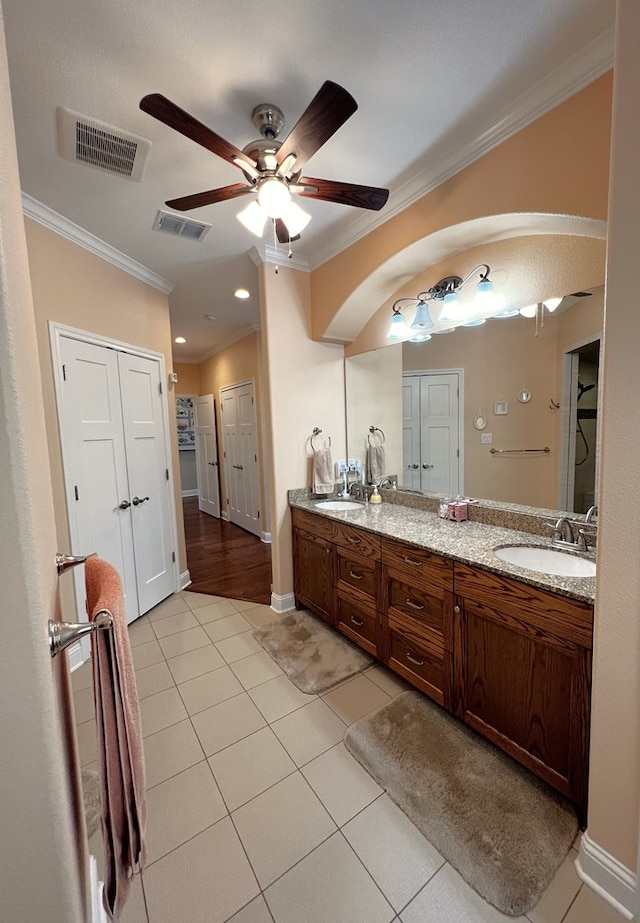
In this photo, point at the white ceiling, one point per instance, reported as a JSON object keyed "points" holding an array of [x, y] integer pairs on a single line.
{"points": [[436, 81]]}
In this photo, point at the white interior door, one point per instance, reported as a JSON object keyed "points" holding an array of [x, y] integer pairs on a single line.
{"points": [[95, 464], [411, 432], [116, 468], [150, 490], [241, 459], [207, 455], [439, 434]]}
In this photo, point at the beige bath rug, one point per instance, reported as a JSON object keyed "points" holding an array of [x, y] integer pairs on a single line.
{"points": [[314, 656], [505, 831]]}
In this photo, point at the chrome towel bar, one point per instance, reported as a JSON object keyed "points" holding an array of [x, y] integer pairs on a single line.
{"points": [[513, 451], [62, 634]]}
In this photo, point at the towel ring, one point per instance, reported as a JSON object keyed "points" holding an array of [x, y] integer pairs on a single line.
{"points": [[316, 432], [375, 429]]}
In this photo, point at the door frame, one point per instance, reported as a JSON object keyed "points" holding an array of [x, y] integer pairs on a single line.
{"points": [[406, 373], [56, 331], [569, 421]]}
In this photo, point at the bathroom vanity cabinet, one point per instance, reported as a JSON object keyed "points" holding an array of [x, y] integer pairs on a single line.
{"points": [[510, 660]]}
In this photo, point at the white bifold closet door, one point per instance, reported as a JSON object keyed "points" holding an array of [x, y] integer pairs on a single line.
{"points": [[116, 467]]}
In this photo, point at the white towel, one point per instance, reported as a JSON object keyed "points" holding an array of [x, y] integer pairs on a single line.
{"points": [[375, 463], [322, 472]]}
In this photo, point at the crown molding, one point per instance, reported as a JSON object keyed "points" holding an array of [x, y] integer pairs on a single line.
{"points": [[77, 235], [575, 73], [229, 340], [263, 253]]}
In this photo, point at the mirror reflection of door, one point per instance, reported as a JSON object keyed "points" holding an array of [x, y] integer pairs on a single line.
{"points": [[580, 428], [431, 432], [206, 442]]}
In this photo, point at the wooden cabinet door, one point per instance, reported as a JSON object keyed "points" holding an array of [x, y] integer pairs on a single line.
{"points": [[314, 573], [527, 691]]}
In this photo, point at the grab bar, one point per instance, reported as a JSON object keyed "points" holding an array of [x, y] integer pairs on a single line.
{"points": [[62, 634], [512, 451]]}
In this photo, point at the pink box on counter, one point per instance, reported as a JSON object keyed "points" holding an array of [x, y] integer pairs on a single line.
{"points": [[458, 511]]}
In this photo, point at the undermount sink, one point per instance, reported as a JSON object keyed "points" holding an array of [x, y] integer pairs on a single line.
{"points": [[339, 505], [547, 560]]}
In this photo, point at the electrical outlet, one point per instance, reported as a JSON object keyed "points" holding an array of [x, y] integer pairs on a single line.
{"points": [[486, 438]]}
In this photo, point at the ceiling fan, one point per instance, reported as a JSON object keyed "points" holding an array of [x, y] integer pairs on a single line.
{"points": [[273, 169]]}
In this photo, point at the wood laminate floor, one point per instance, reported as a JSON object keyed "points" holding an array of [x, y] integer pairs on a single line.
{"points": [[223, 559]]}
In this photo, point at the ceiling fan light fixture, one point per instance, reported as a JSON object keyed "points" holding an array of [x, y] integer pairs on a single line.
{"points": [[529, 310], [295, 218], [253, 218], [274, 196], [551, 303]]}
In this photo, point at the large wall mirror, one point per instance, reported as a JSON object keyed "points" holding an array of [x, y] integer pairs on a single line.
{"points": [[521, 428]]}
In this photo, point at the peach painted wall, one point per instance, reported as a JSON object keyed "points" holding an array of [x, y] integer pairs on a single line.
{"points": [[188, 377], [242, 361], [557, 164], [615, 733], [75, 287], [304, 387]]}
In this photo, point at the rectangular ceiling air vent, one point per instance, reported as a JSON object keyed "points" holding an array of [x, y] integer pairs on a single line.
{"points": [[180, 227], [83, 139]]}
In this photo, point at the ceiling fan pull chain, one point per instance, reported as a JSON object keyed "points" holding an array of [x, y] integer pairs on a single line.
{"points": [[275, 243]]}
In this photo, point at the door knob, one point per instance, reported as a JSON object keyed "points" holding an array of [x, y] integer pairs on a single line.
{"points": [[213, 464], [415, 466], [427, 466], [138, 500], [124, 505]]}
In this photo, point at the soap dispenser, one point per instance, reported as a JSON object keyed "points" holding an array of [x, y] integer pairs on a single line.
{"points": [[375, 495]]}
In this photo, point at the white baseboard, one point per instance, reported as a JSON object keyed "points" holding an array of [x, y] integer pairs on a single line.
{"points": [[608, 877], [282, 604], [225, 515], [185, 579], [98, 913], [190, 493], [266, 538]]}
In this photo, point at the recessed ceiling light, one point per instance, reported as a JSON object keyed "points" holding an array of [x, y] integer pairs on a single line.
{"points": [[179, 340], [211, 317], [242, 293]]}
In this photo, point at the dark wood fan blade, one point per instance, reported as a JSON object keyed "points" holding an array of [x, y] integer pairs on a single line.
{"points": [[343, 193], [282, 233], [198, 199], [165, 111], [328, 110]]}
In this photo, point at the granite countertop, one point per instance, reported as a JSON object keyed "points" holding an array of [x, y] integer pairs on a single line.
{"points": [[469, 542]]}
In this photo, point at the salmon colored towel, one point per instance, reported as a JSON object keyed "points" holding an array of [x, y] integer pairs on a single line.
{"points": [[120, 752]]}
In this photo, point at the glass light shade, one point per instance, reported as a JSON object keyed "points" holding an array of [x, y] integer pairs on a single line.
{"points": [[486, 300], [529, 311], [295, 218], [450, 309], [420, 338], [274, 197], [474, 323], [508, 312], [422, 321], [551, 303], [253, 218], [398, 329]]}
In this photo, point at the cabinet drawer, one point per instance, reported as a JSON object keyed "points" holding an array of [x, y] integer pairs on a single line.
{"points": [[358, 540], [357, 573], [425, 609], [358, 622], [418, 564], [426, 666], [312, 523]]}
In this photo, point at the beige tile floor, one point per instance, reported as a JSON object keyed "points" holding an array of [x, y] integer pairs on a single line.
{"points": [[257, 812]]}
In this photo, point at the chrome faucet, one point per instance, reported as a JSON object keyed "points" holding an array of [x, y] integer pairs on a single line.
{"points": [[564, 536], [387, 482], [591, 513]]}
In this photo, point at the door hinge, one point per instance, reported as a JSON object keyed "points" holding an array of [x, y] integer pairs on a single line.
{"points": [[160, 387], [227, 501], [255, 458], [173, 556], [166, 471], [224, 454], [258, 514], [458, 453], [64, 373], [75, 490]]}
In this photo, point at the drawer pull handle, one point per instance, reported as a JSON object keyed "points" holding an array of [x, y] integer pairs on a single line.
{"points": [[418, 663], [415, 563], [413, 605], [357, 622], [356, 576], [354, 541]]}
